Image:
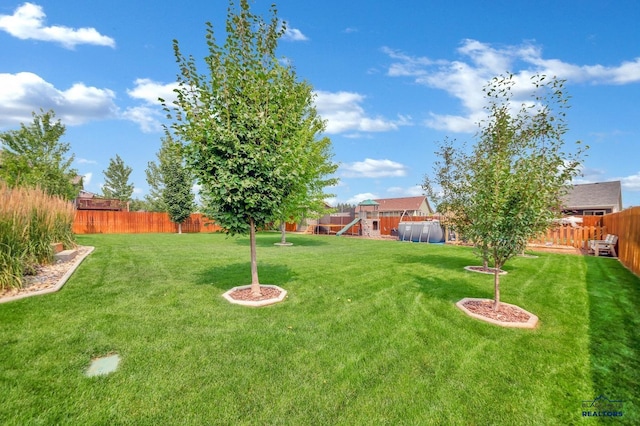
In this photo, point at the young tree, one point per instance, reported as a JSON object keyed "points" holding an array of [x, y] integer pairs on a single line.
{"points": [[154, 174], [177, 195], [302, 205], [116, 180], [246, 125], [307, 199], [156, 186], [509, 188], [35, 156]]}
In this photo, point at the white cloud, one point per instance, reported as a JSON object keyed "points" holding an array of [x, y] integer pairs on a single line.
{"points": [[344, 113], [342, 110], [85, 161], [370, 168], [358, 198], [27, 22], [148, 116], [87, 178], [294, 34], [149, 91], [455, 123], [412, 191], [408, 65], [479, 62], [631, 183], [23, 93]]}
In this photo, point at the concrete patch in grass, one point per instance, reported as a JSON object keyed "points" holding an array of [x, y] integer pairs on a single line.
{"points": [[103, 365]]}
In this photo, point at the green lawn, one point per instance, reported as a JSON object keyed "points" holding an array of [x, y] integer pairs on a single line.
{"points": [[369, 334]]}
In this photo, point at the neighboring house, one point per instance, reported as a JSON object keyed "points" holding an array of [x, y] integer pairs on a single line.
{"points": [[78, 181], [404, 206], [86, 194], [593, 199]]}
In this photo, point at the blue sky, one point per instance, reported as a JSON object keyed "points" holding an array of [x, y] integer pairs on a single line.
{"points": [[392, 78]]}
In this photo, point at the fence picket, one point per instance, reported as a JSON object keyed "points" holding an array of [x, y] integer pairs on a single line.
{"points": [[626, 225]]}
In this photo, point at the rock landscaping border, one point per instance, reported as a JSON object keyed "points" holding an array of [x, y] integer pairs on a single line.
{"points": [[86, 251]]}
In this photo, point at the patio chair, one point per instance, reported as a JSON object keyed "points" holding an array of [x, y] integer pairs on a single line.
{"points": [[606, 246]]}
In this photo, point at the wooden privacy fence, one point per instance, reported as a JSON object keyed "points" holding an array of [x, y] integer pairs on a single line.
{"points": [[114, 222], [569, 236], [390, 223], [626, 225], [591, 220]]}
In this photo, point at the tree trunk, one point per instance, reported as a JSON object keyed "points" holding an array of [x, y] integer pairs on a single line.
{"points": [[180, 228], [283, 230], [255, 283], [496, 288]]}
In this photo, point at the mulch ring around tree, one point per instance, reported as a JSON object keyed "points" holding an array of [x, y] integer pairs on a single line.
{"points": [[246, 294], [483, 270], [506, 315], [242, 295], [503, 313]]}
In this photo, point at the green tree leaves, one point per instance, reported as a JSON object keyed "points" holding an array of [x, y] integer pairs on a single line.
{"points": [[35, 156], [177, 195], [116, 180], [249, 126], [508, 188]]}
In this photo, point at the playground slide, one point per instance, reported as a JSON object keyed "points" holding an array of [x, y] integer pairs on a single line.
{"points": [[346, 228]]}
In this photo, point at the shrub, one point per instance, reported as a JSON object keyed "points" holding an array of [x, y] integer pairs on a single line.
{"points": [[30, 221]]}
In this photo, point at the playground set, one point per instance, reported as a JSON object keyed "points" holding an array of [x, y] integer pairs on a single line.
{"points": [[366, 222]]}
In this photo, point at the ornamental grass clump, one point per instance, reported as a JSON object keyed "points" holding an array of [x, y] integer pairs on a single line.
{"points": [[30, 221]]}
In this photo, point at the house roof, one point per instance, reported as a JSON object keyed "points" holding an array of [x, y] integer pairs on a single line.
{"points": [[594, 195], [400, 204], [86, 194]]}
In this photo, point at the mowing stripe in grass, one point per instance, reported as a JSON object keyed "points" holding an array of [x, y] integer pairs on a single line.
{"points": [[368, 334]]}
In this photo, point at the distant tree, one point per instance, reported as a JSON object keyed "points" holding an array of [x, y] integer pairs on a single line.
{"points": [[509, 188], [138, 205], [170, 183], [116, 180], [344, 207], [156, 186], [35, 156], [177, 194], [246, 125], [154, 174]]}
